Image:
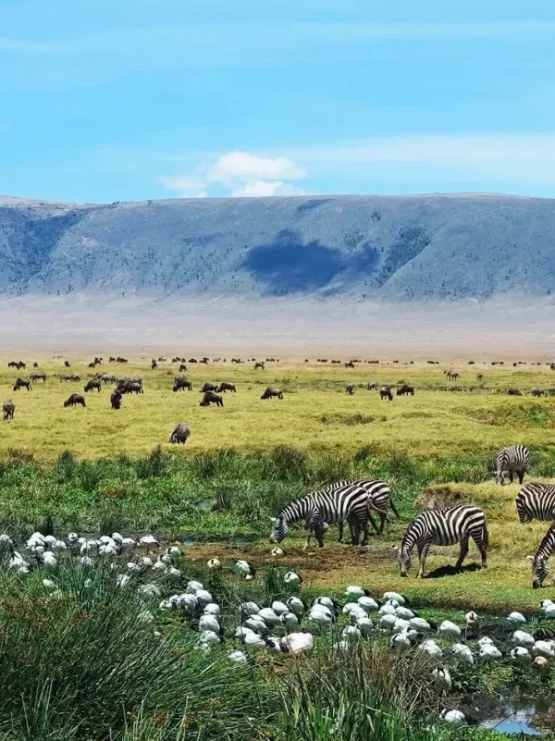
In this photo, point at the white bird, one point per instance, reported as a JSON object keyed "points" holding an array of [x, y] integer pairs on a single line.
{"points": [[490, 653], [106, 540], [321, 615], [159, 565], [354, 592], [522, 638], [5, 538], [400, 640], [277, 552], [149, 590], [517, 618], [387, 622], [209, 638], [542, 662], [365, 625], [279, 607], [174, 551], [341, 646], [146, 562], [368, 603], [431, 648], [49, 559], [174, 573], [274, 643], [401, 626], [326, 602], [36, 539], [244, 568], [351, 633], [442, 678], [59, 545], [249, 608], [48, 583], [238, 657], [545, 603], [209, 622], [256, 624], [544, 648], [387, 610], [241, 631], [289, 619], [107, 550], [471, 618], [454, 716], [204, 597], [463, 653], [166, 559], [122, 580], [419, 624], [486, 641], [253, 640], [117, 538], [404, 613], [292, 578], [394, 596], [296, 605], [72, 538], [148, 541], [447, 628], [86, 561], [269, 616], [549, 611], [194, 586], [212, 609], [214, 563], [49, 539], [128, 542], [356, 611], [188, 602], [298, 643], [521, 655]]}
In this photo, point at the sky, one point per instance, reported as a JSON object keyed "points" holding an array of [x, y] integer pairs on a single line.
{"points": [[116, 100]]}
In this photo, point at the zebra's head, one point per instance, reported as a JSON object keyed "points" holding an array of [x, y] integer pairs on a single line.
{"points": [[540, 569], [404, 559], [279, 529]]}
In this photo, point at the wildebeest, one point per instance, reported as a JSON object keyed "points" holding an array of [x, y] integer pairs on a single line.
{"points": [[38, 376], [107, 378], [180, 434], [537, 392], [480, 377], [514, 392], [271, 393], [131, 387], [451, 374], [153, 364], [405, 390], [209, 387], [116, 399], [19, 364], [372, 385], [350, 364], [183, 368], [350, 388], [70, 377], [8, 409], [94, 383], [193, 360], [121, 360], [22, 383], [67, 364], [181, 383], [211, 398], [35, 365], [224, 386], [259, 365], [385, 393], [75, 400]]}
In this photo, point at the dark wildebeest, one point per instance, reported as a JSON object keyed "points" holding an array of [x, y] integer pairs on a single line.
{"points": [[514, 392], [107, 378], [405, 390], [271, 393], [153, 364], [181, 383], [205, 361], [350, 388], [121, 360], [193, 360], [8, 408], [183, 368], [211, 398], [70, 377], [111, 359], [259, 366], [22, 383], [350, 364], [131, 387], [162, 360], [35, 365], [94, 383], [19, 364], [75, 400], [385, 393], [537, 392], [116, 399], [480, 377], [67, 364], [224, 386], [38, 376], [180, 434], [372, 385], [209, 387], [451, 374]]}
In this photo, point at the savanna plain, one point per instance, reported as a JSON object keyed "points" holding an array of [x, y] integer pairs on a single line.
{"points": [[92, 649]]}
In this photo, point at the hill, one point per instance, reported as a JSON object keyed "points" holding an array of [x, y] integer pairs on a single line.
{"points": [[397, 248]]}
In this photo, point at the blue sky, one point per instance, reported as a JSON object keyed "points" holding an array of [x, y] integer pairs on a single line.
{"points": [[104, 100]]}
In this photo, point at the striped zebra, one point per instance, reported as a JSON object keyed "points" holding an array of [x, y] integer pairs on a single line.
{"points": [[540, 562], [511, 460], [343, 500], [444, 527], [535, 501]]}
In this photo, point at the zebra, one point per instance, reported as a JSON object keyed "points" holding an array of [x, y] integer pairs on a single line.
{"points": [[444, 527], [540, 562], [343, 500], [511, 460], [535, 501]]}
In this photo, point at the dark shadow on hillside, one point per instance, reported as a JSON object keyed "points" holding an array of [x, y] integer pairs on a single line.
{"points": [[442, 571]]}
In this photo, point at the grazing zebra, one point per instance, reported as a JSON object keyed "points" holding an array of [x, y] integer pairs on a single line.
{"points": [[511, 460], [343, 500], [535, 502], [444, 527], [540, 562]]}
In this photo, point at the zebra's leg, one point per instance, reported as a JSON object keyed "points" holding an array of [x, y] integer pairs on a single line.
{"points": [[520, 475], [373, 523], [422, 556], [463, 553], [482, 547], [511, 476], [354, 522], [340, 528], [364, 525]]}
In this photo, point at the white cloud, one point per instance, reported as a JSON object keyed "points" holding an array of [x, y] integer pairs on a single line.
{"points": [[243, 174]]}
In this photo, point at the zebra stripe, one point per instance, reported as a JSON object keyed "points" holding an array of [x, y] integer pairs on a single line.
{"points": [[343, 500], [535, 501], [444, 527], [509, 461], [540, 562]]}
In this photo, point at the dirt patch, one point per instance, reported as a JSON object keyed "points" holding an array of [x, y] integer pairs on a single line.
{"points": [[438, 497]]}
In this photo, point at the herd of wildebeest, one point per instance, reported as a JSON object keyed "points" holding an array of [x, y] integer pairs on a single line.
{"points": [[212, 392]]}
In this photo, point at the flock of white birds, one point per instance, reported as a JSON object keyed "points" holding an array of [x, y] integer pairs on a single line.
{"points": [[288, 625]]}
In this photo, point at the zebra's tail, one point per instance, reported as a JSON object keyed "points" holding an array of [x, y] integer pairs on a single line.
{"points": [[486, 533]]}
